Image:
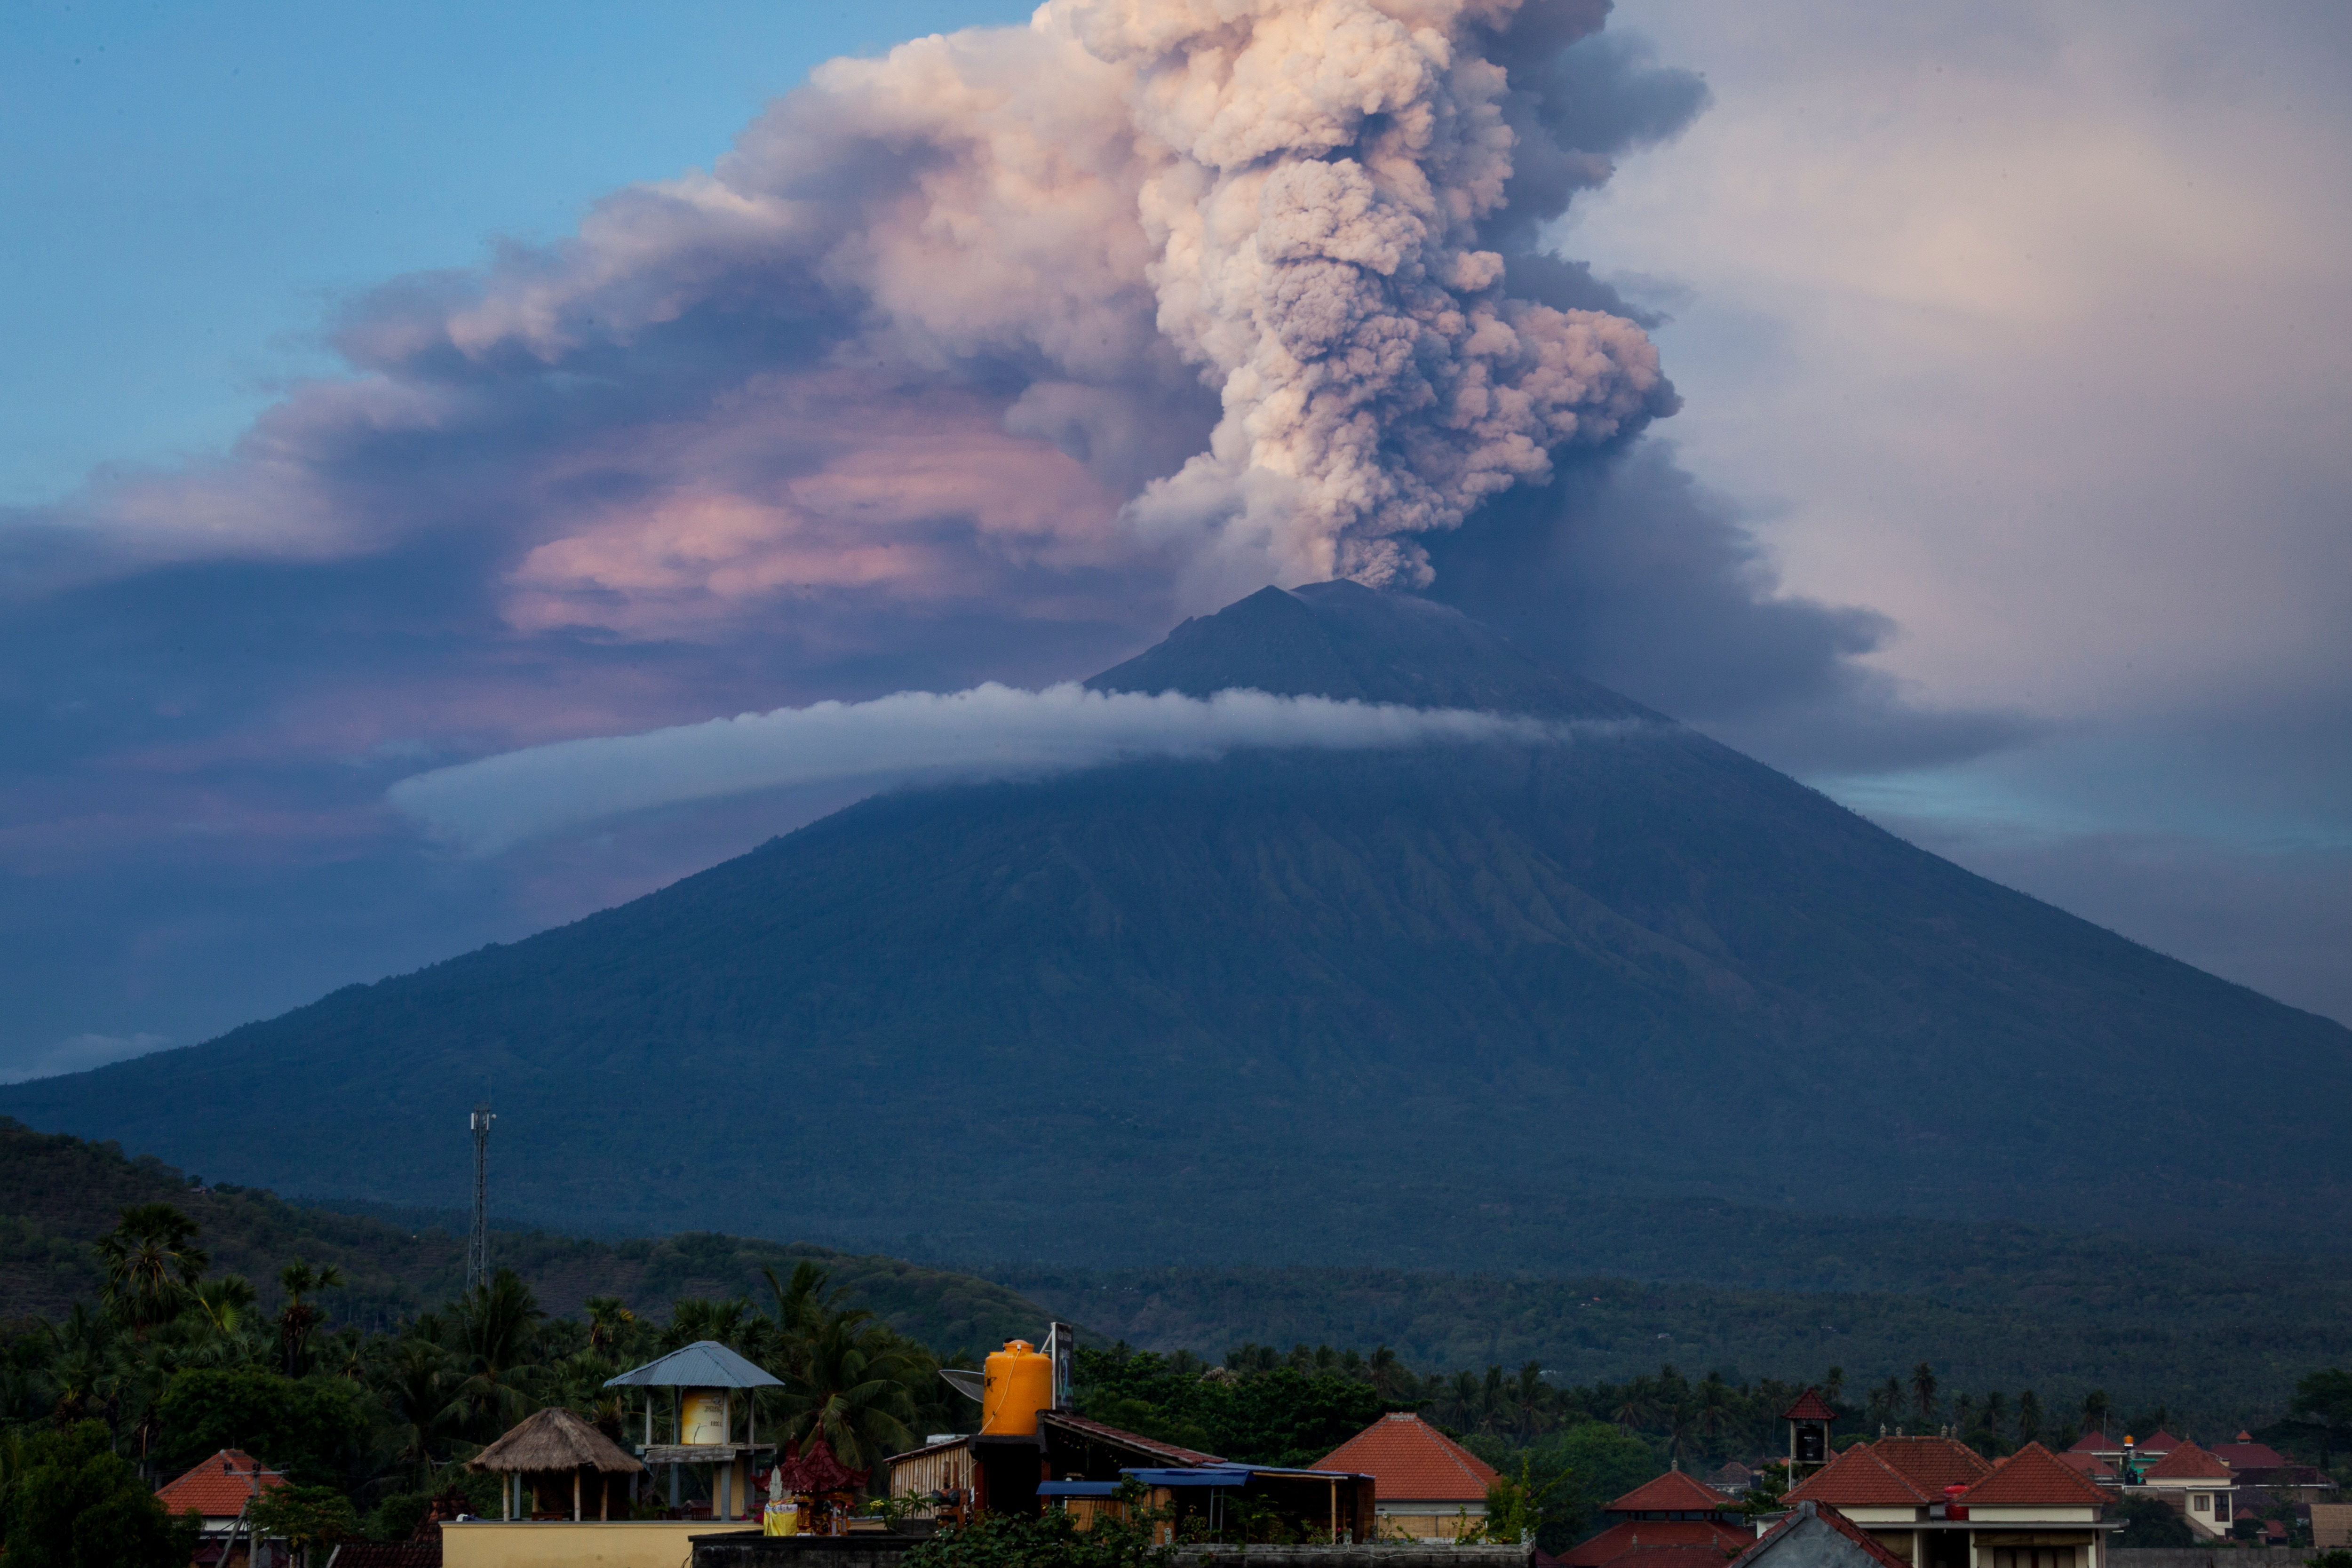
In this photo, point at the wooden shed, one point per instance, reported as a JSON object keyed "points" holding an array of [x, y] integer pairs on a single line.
{"points": [[563, 1466]]}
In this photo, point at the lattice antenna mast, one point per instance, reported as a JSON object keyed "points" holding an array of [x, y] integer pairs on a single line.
{"points": [[477, 1242]]}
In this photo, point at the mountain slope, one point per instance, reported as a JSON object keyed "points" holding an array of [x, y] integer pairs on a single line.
{"points": [[1295, 1005], [60, 1194]]}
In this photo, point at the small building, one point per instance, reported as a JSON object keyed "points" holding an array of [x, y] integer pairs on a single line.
{"points": [[1427, 1486], [2197, 1484], [219, 1489], [1674, 1521], [1815, 1535], [709, 1401], [558, 1466], [1936, 1503]]}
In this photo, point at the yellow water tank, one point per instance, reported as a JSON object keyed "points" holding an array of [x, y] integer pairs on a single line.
{"points": [[702, 1417], [1020, 1384]]}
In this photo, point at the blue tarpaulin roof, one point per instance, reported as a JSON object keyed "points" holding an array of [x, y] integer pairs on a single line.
{"points": [[1206, 1476], [1077, 1488], [706, 1364]]}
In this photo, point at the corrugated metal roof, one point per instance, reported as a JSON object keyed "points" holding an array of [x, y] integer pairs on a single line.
{"points": [[706, 1364]]}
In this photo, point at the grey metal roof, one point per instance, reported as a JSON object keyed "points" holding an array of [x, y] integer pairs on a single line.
{"points": [[706, 1364]]}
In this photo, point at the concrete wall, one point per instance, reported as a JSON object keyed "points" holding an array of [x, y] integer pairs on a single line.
{"points": [[623, 1544], [885, 1551], [2206, 1556]]}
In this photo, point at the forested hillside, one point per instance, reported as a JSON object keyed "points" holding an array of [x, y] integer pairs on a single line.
{"points": [[58, 1195], [2219, 1339]]}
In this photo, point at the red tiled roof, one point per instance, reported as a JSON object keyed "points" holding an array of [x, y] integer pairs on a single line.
{"points": [[2095, 1443], [2034, 1476], [1931, 1464], [2162, 1443], [1620, 1542], [1673, 1492], [2248, 1455], [1835, 1520], [1411, 1461], [1809, 1407], [2190, 1462], [2089, 1465], [1179, 1457], [1858, 1477], [220, 1486], [1677, 1556]]}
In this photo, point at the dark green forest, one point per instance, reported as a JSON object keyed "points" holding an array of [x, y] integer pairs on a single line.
{"points": [[175, 1358]]}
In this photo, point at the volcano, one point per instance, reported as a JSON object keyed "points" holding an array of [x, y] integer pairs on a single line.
{"points": [[1295, 1005]]}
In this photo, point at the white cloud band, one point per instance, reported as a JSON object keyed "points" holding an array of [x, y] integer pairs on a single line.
{"points": [[989, 732]]}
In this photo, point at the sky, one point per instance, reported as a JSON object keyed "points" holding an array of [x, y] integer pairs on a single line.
{"points": [[1944, 407]]}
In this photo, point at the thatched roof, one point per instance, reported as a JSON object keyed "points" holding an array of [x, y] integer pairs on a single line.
{"points": [[554, 1440]]}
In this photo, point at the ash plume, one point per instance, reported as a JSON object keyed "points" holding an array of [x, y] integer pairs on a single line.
{"points": [[1120, 314]]}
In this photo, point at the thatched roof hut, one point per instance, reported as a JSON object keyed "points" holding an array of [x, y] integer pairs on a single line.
{"points": [[545, 1450]]}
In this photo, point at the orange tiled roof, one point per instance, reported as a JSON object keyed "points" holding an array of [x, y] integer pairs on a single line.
{"points": [[1411, 1461], [220, 1486], [1673, 1492], [2033, 1476], [1620, 1542], [1809, 1407], [1858, 1477], [2089, 1465], [2190, 1462], [2245, 1454], [1931, 1464], [2095, 1443]]}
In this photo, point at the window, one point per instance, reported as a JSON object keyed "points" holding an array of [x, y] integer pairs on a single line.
{"points": [[2201, 1501]]}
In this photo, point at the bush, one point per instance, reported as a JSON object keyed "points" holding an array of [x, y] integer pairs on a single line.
{"points": [[314, 1431], [1051, 1541], [2149, 1522], [78, 1504]]}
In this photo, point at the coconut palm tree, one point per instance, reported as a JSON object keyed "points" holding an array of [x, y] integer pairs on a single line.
{"points": [[495, 1327], [1923, 1391], [152, 1262], [855, 1384], [301, 1317], [416, 1385]]}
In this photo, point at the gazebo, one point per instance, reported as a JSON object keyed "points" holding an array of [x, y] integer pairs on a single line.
{"points": [[553, 1453], [702, 1380]]}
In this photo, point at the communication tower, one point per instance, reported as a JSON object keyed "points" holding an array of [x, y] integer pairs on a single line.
{"points": [[477, 1241]]}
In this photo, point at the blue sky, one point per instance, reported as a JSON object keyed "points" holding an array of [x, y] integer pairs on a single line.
{"points": [[2007, 500]]}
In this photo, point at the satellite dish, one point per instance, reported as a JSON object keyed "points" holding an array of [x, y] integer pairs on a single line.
{"points": [[973, 1385]]}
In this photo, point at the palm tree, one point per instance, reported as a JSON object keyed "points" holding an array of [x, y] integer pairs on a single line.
{"points": [[152, 1262], [609, 1319], [301, 1318], [1923, 1390], [2096, 1411], [1996, 1418], [2029, 1417], [1834, 1385], [1636, 1405], [83, 1370], [1530, 1395], [496, 1327], [1389, 1375], [855, 1385], [416, 1385]]}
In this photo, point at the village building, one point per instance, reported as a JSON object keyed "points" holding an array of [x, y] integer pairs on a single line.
{"points": [[1815, 1535], [555, 1466], [1936, 1503], [1427, 1486], [220, 1490], [1674, 1521], [2198, 1485]]}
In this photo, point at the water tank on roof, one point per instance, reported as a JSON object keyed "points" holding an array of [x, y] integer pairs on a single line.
{"points": [[1020, 1384]]}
